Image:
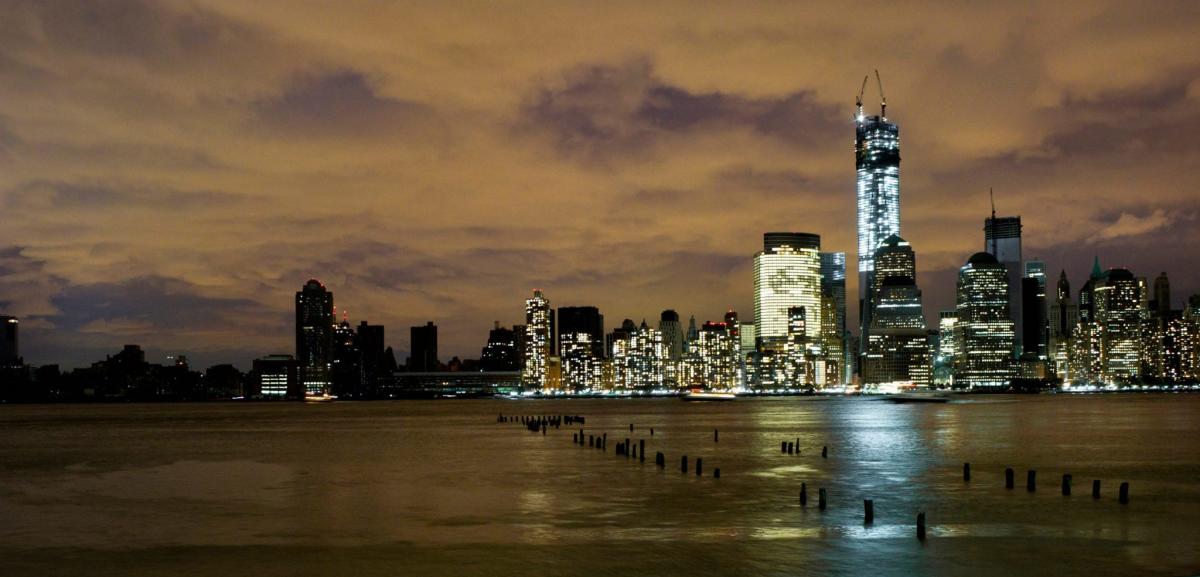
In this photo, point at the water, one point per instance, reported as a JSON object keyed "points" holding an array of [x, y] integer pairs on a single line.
{"points": [[439, 488]]}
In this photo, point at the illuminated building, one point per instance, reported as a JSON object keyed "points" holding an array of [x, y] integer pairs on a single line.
{"points": [[833, 285], [500, 352], [713, 360], [946, 350], [877, 161], [787, 273], [582, 320], [538, 343], [275, 377], [1002, 238], [314, 336], [1062, 318], [10, 352], [639, 359], [897, 342], [1087, 297], [423, 348], [1120, 310], [580, 365], [833, 344], [985, 355], [668, 325]]}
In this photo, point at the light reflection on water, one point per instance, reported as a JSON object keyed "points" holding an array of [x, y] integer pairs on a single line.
{"points": [[438, 488]]}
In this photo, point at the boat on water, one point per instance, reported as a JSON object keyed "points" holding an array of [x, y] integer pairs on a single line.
{"points": [[321, 398], [919, 397], [699, 395]]}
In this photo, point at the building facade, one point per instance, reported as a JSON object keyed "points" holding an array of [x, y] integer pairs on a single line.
{"points": [[314, 336]]}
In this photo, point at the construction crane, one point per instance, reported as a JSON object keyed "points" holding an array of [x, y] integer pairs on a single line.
{"points": [[858, 101], [882, 98]]}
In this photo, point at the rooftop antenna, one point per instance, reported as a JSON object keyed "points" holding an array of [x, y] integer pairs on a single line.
{"points": [[858, 101], [882, 98]]}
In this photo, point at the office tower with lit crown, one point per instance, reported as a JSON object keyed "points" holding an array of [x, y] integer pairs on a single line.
{"points": [[539, 338], [1062, 318], [423, 352], [1033, 309], [10, 352], [985, 355], [588, 320], [787, 273], [1002, 238], [877, 162], [897, 351], [314, 336], [668, 325]]}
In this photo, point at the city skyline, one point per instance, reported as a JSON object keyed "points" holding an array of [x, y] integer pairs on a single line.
{"points": [[145, 207]]}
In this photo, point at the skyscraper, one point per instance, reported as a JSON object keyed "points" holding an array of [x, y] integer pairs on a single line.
{"points": [[1033, 308], [1063, 316], [1161, 305], [374, 350], [877, 160], [833, 285], [787, 273], [423, 348], [672, 332], [985, 355], [588, 320], [500, 352], [1120, 310], [10, 352], [314, 336], [346, 373], [897, 341], [1002, 238], [539, 338]]}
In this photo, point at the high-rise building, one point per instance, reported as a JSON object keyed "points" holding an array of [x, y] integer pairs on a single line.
{"points": [[588, 320], [833, 285], [539, 337], [787, 273], [423, 348], [714, 358], [580, 365], [314, 336], [897, 351], [375, 369], [985, 329], [1120, 309], [1002, 238], [346, 371], [1161, 305], [668, 325], [877, 161], [500, 352], [1063, 316], [10, 351], [1033, 308], [1087, 296]]}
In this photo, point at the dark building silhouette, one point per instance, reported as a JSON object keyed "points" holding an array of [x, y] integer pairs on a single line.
{"points": [[1160, 307], [673, 334], [347, 366], [423, 356], [588, 320], [223, 382], [500, 352], [10, 351], [314, 336], [373, 349]]}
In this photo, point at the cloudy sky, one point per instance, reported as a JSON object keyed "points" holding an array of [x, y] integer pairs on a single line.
{"points": [[172, 172]]}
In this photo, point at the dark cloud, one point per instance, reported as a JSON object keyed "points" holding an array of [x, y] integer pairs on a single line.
{"points": [[601, 112], [340, 102], [42, 194]]}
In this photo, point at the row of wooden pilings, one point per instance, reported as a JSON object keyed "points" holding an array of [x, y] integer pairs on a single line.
{"points": [[793, 448], [1031, 483], [631, 450]]}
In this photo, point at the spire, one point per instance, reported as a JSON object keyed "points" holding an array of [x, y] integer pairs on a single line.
{"points": [[1096, 272]]}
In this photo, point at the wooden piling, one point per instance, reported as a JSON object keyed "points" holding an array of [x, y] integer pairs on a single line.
{"points": [[803, 494], [868, 511], [1123, 493], [824, 452], [966, 471], [717, 473], [783, 446], [699, 467], [1095, 488], [1066, 485], [1031, 481], [1008, 478], [716, 436], [821, 499], [921, 526], [683, 464]]}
